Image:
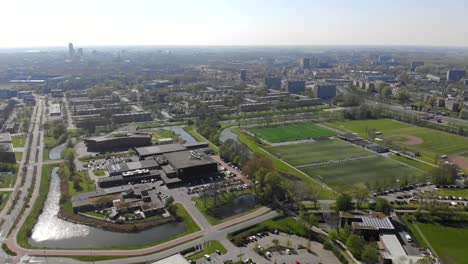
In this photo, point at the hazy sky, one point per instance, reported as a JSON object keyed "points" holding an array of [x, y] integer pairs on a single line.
{"points": [[233, 22]]}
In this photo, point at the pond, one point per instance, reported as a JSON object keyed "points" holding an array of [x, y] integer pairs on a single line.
{"points": [[56, 152], [179, 130], [52, 232], [238, 205]]}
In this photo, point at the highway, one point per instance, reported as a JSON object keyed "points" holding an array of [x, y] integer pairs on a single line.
{"points": [[35, 136]]}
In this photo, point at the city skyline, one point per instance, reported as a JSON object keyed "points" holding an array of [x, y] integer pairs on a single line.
{"points": [[234, 23]]}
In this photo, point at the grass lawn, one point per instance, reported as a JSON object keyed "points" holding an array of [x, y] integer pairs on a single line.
{"points": [[209, 248], [434, 142], [320, 151], [31, 220], [452, 192], [7, 181], [292, 132], [99, 172], [449, 242], [5, 199], [86, 184], [377, 171], [18, 141], [49, 143], [18, 156], [163, 133], [193, 132], [257, 148], [413, 162]]}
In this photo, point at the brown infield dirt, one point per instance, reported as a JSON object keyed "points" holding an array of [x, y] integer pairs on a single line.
{"points": [[411, 140], [459, 160]]}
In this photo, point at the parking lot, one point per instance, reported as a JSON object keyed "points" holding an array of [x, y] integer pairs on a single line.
{"points": [[259, 250], [410, 193]]}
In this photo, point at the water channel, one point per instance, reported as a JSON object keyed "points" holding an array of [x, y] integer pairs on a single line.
{"points": [[238, 205], [53, 232]]}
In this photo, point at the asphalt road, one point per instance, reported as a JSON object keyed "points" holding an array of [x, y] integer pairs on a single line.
{"points": [[35, 136]]}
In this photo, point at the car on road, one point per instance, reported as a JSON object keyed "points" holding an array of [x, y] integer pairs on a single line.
{"points": [[207, 257]]}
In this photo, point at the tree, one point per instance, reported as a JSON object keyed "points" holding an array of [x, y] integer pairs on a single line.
{"points": [[370, 254], [355, 244], [387, 92], [360, 193], [314, 195], [382, 205], [445, 174], [344, 202], [403, 96]]}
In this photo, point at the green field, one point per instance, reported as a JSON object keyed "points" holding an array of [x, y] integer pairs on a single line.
{"points": [[18, 141], [434, 142], [7, 181], [377, 172], [448, 242], [452, 192], [292, 132], [315, 152]]}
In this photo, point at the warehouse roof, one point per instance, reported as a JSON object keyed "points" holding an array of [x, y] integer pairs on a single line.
{"points": [[155, 150], [188, 158]]}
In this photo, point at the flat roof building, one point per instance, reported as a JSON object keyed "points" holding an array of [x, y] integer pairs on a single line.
{"points": [[120, 142]]}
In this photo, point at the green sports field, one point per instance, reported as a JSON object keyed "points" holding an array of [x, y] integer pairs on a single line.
{"points": [[449, 242], [431, 142], [315, 152], [292, 132], [375, 171]]}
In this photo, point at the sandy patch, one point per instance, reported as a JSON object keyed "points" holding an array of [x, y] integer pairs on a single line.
{"points": [[459, 160], [411, 140]]}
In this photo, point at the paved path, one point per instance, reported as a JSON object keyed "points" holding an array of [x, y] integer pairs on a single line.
{"points": [[7, 189]]}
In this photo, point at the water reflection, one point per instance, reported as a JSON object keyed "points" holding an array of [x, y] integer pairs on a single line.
{"points": [[237, 205], [53, 232]]}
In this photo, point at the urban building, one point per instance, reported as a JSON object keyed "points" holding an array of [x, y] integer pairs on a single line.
{"points": [[132, 117], [305, 63], [156, 84], [296, 87], [71, 50], [118, 142], [452, 105], [54, 110], [455, 75], [243, 75], [56, 92], [432, 77], [7, 155], [324, 91], [7, 93], [273, 83], [123, 199], [415, 64]]}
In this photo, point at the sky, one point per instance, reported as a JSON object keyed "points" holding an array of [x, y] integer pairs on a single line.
{"points": [[34, 23]]}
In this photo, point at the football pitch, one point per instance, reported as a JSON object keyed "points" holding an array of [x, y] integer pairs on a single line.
{"points": [[429, 142], [316, 152], [292, 132], [375, 171], [340, 164]]}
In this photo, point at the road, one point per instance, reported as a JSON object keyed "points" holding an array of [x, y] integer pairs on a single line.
{"points": [[35, 135], [70, 124], [218, 232], [402, 109]]}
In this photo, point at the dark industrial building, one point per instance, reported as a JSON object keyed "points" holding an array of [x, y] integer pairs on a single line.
{"points": [[324, 91], [110, 143], [455, 75], [173, 164], [295, 87], [273, 83]]}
